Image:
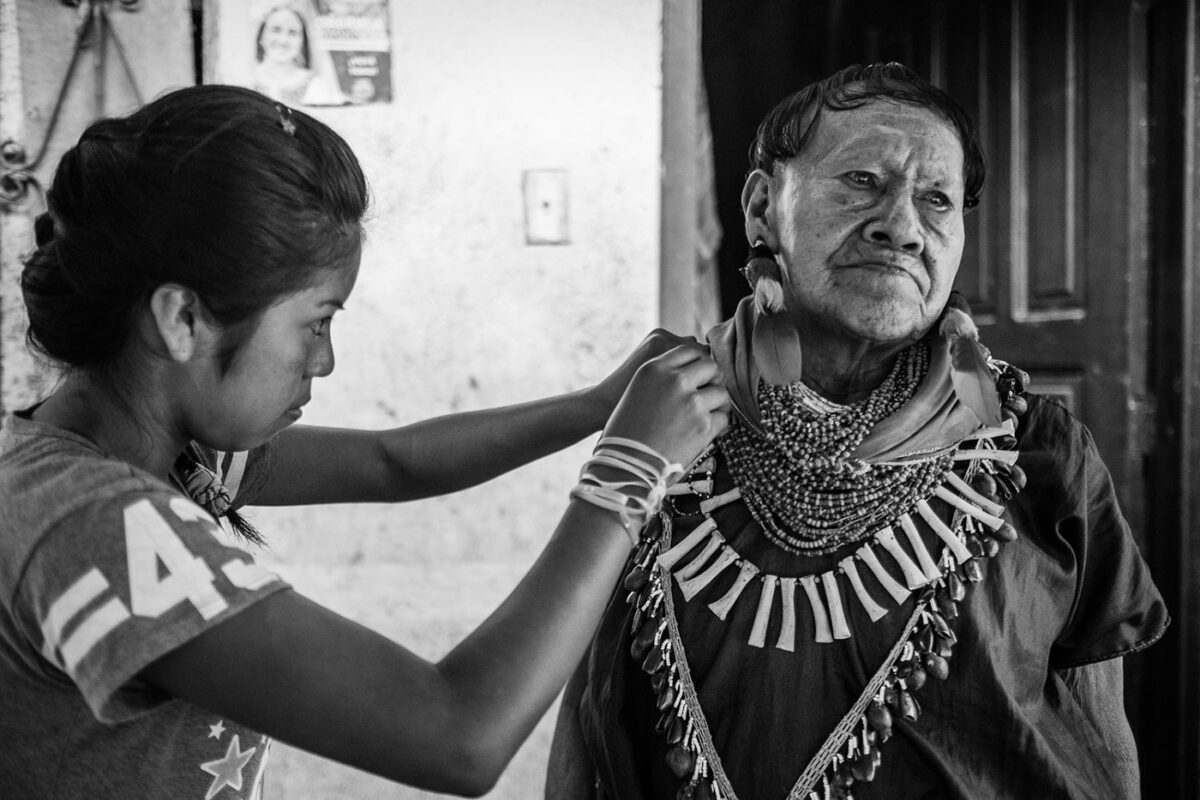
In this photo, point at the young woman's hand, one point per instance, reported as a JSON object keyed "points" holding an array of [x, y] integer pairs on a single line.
{"points": [[676, 404], [607, 393]]}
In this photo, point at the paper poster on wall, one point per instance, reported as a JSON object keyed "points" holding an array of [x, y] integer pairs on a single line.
{"points": [[316, 52]]}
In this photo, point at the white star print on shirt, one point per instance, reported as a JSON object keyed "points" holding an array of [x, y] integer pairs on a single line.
{"points": [[227, 771], [215, 731]]}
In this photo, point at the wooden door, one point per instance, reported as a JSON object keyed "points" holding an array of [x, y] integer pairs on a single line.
{"points": [[1057, 261]]}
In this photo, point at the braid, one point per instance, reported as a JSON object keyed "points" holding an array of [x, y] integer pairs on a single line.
{"points": [[205, 488], [242, 527]]}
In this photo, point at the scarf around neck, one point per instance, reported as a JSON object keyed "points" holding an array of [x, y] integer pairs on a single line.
{"points": [[941, 413]]}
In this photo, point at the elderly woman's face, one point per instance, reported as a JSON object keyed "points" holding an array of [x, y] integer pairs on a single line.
{"points": [[868, 221]]}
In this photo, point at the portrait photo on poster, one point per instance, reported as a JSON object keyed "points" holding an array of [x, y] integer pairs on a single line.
{"points": [[315, 52]]}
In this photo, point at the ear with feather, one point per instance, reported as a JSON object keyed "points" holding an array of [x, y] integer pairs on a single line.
{"points": [[775, 341], [762, 271], [969, 372]]}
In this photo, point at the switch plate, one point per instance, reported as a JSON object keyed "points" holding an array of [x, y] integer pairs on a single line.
{"points": [[545, 194]]}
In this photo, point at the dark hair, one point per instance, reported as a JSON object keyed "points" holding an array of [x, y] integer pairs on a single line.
{"points": [[305, 52], [216, 188], [787, 129]]}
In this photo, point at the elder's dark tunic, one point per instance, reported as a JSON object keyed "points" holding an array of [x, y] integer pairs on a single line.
{"points": [[1011, 721]]}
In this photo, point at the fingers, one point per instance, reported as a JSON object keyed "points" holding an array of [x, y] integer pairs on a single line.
{"points": [[720, 422], [714, 398], [715, 401], [703, 372], [682, 354], [656, 343], [675, 404], [665, 339], [692, 363]]}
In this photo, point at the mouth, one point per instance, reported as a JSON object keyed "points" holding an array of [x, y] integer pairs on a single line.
{"points": [[887, 267], [883, 263]]}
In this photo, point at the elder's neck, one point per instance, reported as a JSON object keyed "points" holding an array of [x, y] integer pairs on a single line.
{"points": [[847, 374]]}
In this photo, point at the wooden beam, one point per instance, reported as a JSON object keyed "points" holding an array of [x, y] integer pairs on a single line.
{"points": [[678, 223]]}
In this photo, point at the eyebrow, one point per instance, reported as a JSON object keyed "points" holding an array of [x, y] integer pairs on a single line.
{"points": [[336, 304]]}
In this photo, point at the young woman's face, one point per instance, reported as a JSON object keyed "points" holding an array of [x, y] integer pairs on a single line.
{"points": [[282, 36], [270, 377]]}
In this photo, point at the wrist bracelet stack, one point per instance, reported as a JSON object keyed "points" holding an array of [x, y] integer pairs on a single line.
{"points": [[639, 492]]}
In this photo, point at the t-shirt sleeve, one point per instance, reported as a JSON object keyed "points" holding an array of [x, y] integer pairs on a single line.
{"points": [[1116, 608], [118, 583]]}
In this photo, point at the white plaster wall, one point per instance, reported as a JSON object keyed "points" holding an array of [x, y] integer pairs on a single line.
{"points": [[453, 311]]}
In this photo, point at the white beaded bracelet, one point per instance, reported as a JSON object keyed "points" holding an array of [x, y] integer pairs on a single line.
{"points": [[626, 497]]}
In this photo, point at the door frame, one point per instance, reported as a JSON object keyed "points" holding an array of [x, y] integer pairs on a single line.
{"points": [[678, 230], [1169, 733]]}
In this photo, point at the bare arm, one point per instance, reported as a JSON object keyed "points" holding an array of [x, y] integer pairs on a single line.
{"points": [[444, 454], [428, 458], [301, 673], [1099, 689], [298, 672]]}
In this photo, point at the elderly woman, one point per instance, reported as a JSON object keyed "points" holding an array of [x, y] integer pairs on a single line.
{"points": [[897, 574]]}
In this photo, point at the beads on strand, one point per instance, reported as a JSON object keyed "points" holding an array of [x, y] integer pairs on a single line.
{"points": [[799, 478]]}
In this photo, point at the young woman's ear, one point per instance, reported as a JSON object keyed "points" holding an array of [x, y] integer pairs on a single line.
{"points": [[181, 322], [756, 199]]}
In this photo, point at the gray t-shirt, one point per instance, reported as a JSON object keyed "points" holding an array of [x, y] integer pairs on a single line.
{"points": [[103, 569]]}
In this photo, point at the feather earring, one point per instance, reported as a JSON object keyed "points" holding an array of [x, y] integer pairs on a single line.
{"points": [[969, 371], [762, 271], [775, 342]]}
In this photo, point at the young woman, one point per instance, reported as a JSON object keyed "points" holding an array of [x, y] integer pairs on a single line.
{"points": [[186, 278]]}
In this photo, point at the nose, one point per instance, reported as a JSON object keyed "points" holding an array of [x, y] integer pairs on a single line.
{"points": [[897, 224], [321, 360]]}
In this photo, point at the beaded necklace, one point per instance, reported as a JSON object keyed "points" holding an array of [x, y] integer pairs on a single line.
{"points": [[798, 477]]}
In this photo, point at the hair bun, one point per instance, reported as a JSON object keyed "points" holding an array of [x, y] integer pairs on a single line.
{"points": [[43, 228]]}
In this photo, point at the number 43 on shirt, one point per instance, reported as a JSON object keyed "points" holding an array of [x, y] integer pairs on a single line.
{"points": [[149, 541]]}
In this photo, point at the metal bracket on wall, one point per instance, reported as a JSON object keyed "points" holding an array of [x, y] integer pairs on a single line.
{"points": [[94, 31]]}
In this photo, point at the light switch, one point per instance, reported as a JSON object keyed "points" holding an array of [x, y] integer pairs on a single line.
{"points": [[545, 193]]}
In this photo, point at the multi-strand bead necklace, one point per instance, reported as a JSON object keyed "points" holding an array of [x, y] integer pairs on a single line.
{"points": [[798, 477]]}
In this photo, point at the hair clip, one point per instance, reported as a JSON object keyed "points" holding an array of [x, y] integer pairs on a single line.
{"points": [[285, 119]]}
